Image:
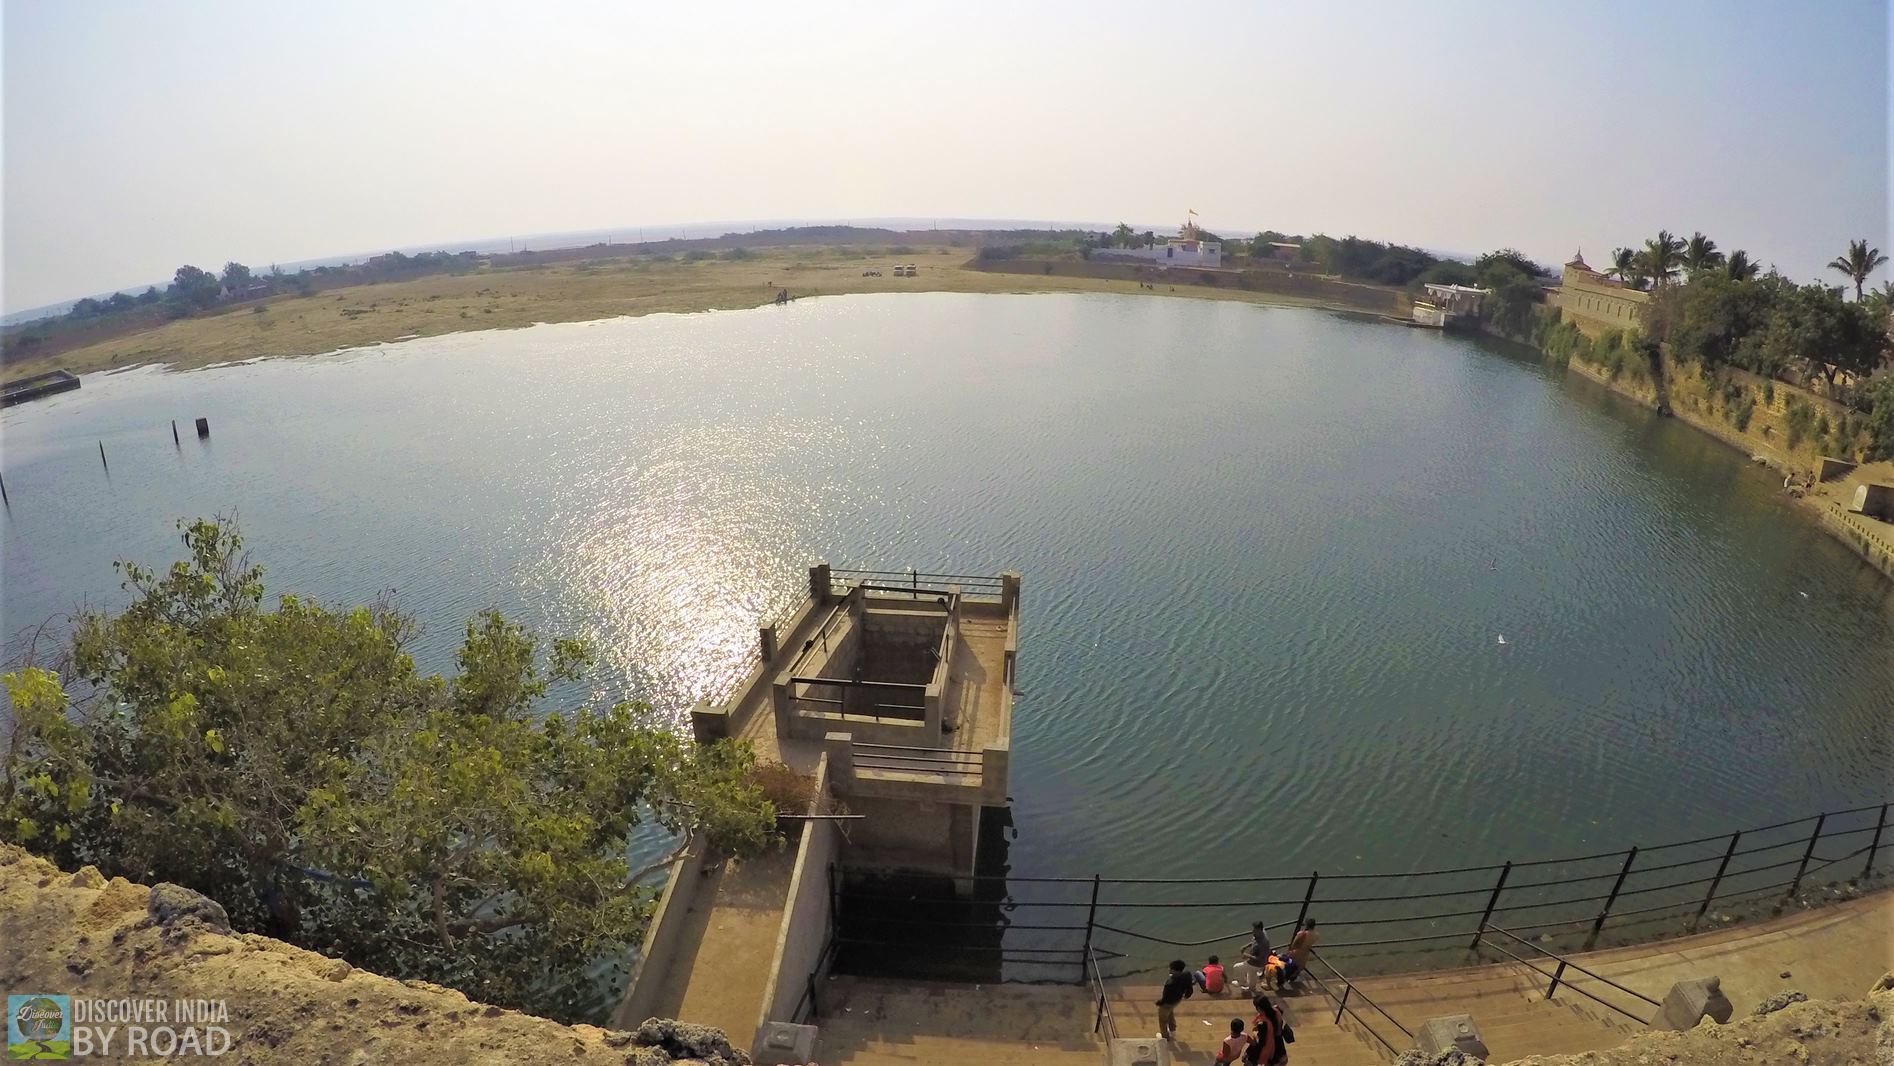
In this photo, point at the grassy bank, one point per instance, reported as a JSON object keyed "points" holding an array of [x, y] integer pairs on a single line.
{"points": [[573, 292]]}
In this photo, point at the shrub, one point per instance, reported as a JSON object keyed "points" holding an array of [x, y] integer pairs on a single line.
{"points": [[739, 254], [1769, 393], [788, 791], [1800, 418], [1739, 414], [696, 255]]}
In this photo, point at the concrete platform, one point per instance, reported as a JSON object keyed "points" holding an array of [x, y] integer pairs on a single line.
{"points": [[1831, 952]]}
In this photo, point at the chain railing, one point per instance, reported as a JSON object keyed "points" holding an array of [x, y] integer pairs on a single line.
{"points": [[1558, 976], [1042, 925]]}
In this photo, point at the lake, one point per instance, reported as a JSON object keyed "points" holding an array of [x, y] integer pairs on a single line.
{"points": [[1269, 554]]}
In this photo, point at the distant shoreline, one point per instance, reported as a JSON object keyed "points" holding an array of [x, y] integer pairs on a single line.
{"points": [[358, 316]]}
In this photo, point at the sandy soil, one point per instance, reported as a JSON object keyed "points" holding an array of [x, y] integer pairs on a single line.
{"points": [[509, 299]]}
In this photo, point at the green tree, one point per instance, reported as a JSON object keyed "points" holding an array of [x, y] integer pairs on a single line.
{"points": [[1661, 257], [1625, 267], [1814, 326], [290, 762], [1123, 236], [1512, 257], [1858, 263], [86, 308], [1510, 298], [235, 276], [193, 288], [1739, 267], [1700, 255]]}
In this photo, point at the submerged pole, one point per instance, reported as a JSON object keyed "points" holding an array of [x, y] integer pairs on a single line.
{"points": [[174, 435], [8, 504], [102, 462]]}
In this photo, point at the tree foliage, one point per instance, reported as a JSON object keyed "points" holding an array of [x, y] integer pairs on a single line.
{"points": [[289, 761], [1859, 261]]}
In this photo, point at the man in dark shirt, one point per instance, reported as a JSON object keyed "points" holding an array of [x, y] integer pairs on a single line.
{"points": [[1177, 988], [1255, 957]]}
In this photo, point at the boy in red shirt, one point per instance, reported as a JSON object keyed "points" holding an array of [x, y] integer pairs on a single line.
{"points": [[1210, 978]]}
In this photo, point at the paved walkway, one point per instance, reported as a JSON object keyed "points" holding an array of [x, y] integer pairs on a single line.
{"points": [[722, 963], [1831, 952]]}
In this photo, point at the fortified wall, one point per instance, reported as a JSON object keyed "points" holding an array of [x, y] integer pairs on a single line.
{"points": [[1596, 303]]}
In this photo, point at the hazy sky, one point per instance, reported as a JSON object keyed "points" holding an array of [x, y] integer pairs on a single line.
{"points": [[141, 136]]}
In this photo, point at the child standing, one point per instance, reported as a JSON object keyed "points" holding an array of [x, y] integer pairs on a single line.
{"points": [[1178, 987], [1233, 1045]]}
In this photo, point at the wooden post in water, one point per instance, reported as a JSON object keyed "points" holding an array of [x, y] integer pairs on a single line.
{"points": [[203, 428], [9, 506], [175, 443], [102, 462]]}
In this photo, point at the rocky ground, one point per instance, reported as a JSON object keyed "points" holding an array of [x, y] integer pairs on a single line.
{"points": [[1794, 1033], [84, 935]]}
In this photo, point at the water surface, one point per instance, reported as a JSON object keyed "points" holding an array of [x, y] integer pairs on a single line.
{"points": [[1269, 554]]}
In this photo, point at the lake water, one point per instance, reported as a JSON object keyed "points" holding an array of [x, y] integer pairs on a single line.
{"points": [[1268, 554]]}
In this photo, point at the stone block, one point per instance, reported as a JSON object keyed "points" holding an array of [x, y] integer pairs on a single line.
{"points": [[1875, 501], [1689, 1002], [782, 1042], [1137, 1051], [1455, 1032]]}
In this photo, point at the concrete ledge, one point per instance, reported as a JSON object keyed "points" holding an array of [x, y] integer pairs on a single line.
{"points": [[660, 939]]}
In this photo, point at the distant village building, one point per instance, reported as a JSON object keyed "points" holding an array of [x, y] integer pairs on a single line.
{"points": [[1448, 305], [1596, 303], [1284, 251], [1187, 249]]}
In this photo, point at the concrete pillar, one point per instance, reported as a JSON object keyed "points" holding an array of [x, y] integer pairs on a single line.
{"points": [[766, 642], [709, 724], [1009, 591], [819, 583], [963, 844], [779, 1043], [1137, 1051], [1455, 1031], [995, 764], [841, 751], [1689, 1002]]}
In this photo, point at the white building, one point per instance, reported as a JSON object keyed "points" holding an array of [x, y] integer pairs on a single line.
{"points": [[1187, 249], [1444, 304]]}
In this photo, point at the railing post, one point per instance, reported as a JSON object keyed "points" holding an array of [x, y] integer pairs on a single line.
{"points": [[1796, 884], [1557, 975], [1717, 880], [1343, 1005], [1491, 902], [1875, 844], [1629, 858], [1091, 915], [1314, 875]]}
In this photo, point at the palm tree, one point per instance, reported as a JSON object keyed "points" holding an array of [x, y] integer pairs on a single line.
{"points": [[1123, 236], [1624, 264], [1739, 267], [1663, 254], [1860, 261], [1700, 254]]}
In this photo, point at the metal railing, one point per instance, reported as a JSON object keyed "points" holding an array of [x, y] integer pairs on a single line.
{"points": [[1350, 991], [1559, 975], [1103, 1024], [1413, 920], [903, 758], [870, 698], [916, 581]]}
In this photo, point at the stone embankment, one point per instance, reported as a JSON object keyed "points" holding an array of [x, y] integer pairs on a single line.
{"points": [[84, 935]]}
